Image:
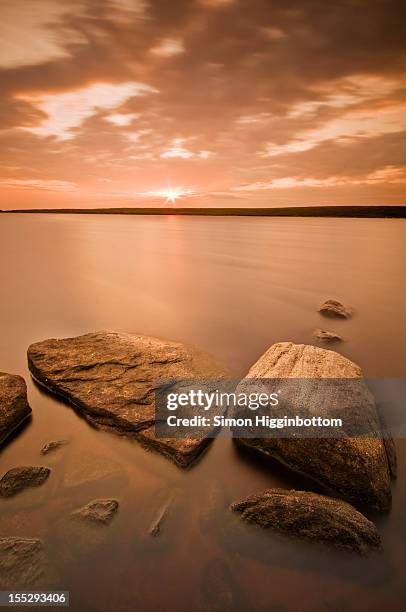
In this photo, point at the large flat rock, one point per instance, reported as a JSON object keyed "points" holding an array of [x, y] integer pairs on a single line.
{"points": [[310, 516], [355, 468], [14, 408], [111, 379]]}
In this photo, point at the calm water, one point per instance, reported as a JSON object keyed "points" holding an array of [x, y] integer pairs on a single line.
{"points": [[232, 286]]}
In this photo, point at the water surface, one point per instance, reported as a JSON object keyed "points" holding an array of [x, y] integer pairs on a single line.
{"points": [[232, 286]]}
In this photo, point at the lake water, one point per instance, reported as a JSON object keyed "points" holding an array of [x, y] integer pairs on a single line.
{"points": [[232, 286]]}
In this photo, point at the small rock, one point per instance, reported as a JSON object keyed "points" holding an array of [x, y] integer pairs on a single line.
{"points": [[14, 408], [99, 510], [19, 478], [333, 308], [53, 445], [155, 528], [81, 539], [23, 564], [311, 516], [326, 336]]}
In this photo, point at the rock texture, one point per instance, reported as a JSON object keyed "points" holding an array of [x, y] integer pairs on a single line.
{"points": [[333, 308], [111, 377], [100, 511], [14, 408], [52, 446], [355, 468], [23, 564], [327, 336], [311, 516], [182, 450], [20, 478], [392, 457]]}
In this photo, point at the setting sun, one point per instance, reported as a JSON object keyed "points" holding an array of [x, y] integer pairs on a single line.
{"points": [[171, 194], [202, 258]]}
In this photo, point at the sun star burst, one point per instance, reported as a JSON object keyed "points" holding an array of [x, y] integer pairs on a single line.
{"points": [[171, 194]]}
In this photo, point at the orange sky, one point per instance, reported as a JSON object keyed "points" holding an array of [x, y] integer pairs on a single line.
{"points": [[230, 102]]}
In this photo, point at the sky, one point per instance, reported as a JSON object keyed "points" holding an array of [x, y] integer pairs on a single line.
{"points": [[202, 103]]}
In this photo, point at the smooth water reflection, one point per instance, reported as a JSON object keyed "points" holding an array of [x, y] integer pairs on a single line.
{"points": [[232, 286]]}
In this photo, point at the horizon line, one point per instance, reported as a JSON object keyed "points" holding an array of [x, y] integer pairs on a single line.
{"points": [[359, 210]]}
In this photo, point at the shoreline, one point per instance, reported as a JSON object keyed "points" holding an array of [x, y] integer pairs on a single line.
{"points": [[395, 212]]}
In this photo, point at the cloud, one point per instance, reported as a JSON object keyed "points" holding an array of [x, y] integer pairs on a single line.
{"points": [[121, 119], [68, 110], [27, 32], [349, 126], [169, 192], [43, 185], [387, 175], [212, 93], [177, 150], [129, 7], [168, 47], [215, 3], [274, 34], [254, 119]]}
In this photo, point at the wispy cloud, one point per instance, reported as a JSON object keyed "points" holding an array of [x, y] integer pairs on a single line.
{"points": [[178, 150], [41, 184], [65, 111], [122, 120], [388, 175], [168, 47]]}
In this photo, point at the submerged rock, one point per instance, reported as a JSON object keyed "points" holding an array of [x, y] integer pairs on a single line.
{"points": [[311, 516], [23, 564], [19, 478], [333, 308], [111, 378], [218, 590], [87, 534], [100, 511], [53, 445], [156, 525], [327, 336], [356, 468], [14, 408], [85, 468]]}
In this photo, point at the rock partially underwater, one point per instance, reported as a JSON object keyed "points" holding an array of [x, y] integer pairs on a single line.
{"points": [[19, 478], [14, 408], [111, 379], [310, 516], [334, 308], [327, 336], [358, 469], [53, 445], [99, 511]]}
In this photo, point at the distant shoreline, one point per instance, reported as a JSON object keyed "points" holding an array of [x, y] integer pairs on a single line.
{"points": [[396, 212]]}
